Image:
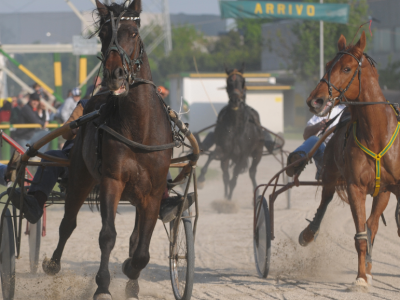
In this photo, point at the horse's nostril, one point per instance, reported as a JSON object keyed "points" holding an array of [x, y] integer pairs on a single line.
{"points": [[118, 73], [317, 102]]}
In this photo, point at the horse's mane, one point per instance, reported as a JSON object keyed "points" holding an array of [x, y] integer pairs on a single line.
{"points": [[117, 9]]}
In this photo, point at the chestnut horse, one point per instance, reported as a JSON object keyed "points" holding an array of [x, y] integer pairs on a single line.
{"points": [[353, 79], [133, 109]]}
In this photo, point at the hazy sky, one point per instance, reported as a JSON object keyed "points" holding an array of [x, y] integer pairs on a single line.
{"points": [[176, 6]]}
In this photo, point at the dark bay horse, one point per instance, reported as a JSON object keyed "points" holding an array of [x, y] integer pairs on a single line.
{"points": [[364, 156], [238, 135], [132, 109]]}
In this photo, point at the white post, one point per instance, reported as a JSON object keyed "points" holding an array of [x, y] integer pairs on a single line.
{"points": [[321, 46], [167, 28]]}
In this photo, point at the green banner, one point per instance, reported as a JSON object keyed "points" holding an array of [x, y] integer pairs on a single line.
{"points": [[336, 13]]}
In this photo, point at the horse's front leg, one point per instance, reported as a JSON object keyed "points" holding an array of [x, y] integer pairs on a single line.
{"points": [[134, 239], [378, 206], [147, 214], [357, 198], [110, 194], [225, 174]]}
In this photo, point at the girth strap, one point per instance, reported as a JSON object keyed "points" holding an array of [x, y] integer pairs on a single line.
{"points": [[378, 156], [128, 142]]}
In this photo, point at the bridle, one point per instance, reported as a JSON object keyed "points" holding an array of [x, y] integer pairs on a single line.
{"points": [[127, 63], [240, 93], [342, 97]]}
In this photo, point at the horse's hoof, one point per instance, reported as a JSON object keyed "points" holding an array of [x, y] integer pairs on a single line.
{"points": [[360, 285], [132, 289], [200, 185], [307, 236], [50, 267], [126, 262], [369, 279], [102, 297]]}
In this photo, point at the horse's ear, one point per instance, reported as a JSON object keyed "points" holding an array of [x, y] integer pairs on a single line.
{"points": [[136, 5], [341, 44], [362, 42], [227, 71], [241, 70], [102, 9]]}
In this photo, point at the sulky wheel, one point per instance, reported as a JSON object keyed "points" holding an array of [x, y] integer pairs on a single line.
{"points": [[7, 258], [35, 234], [181, 260], [397, 215], [262, 239]]}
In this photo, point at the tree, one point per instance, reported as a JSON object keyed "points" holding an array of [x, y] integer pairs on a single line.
{"points": [[233, 48], [304, 55]]}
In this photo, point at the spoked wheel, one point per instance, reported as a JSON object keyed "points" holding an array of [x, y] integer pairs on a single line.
{"points": [[7, 258], [262, 239], [181, 260], [35, 234]]}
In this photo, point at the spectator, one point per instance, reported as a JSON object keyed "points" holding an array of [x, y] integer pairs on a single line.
{"points": [[14, 101], [15, 117], [38, 89], [5, 111], [94, 88], [29, 115], [70, 104]]}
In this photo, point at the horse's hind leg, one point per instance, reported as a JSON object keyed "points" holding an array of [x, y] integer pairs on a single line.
{"points": [[257, 155], [311, 232], [330, 175], [378, 206], [203, 172], [78, 189]]}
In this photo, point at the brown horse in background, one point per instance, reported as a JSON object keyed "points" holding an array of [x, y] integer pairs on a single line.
{"points": [[351, 77], [133, 109]]}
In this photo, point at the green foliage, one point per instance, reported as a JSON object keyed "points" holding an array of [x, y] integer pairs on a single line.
{"points": [[234, 48], [304, 56]]}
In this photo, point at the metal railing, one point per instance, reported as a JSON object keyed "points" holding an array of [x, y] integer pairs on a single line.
{"points": [[6, 128]]}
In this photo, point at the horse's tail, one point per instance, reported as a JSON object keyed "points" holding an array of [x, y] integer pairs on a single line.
{"points": [[341, 190], [93, 198]]}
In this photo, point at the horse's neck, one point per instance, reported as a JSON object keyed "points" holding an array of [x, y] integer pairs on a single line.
{"points": [[376, 123]]}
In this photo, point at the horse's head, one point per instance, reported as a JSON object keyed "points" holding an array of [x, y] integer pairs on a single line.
{"points": [[236, 87], [342, 79], [122, 48]]}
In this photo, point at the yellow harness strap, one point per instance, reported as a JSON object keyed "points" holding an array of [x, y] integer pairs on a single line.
{"points": [[377, 157]]}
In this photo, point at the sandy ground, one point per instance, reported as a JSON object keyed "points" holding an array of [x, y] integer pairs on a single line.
{"points": [[224, 251]]}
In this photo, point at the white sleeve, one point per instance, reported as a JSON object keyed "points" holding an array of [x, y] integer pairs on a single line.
{"points": [[67, 109], [314, 120]]}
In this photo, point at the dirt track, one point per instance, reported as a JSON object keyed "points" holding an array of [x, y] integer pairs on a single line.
{"points": [[224, 252]]}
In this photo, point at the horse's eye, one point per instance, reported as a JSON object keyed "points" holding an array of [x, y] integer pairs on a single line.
{"points": [[346, 70]]}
